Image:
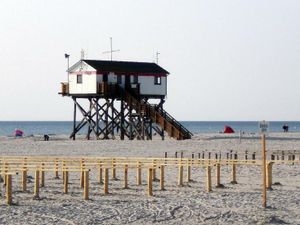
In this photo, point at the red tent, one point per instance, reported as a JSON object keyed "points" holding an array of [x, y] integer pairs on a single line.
{"points": [[228, 130]]}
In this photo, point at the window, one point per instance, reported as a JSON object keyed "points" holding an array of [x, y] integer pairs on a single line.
{"points": [[135, 79], [79, 79], [119, 79], [157, 80]]}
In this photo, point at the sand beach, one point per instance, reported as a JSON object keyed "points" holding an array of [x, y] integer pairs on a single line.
{"points": [[190, 204]]}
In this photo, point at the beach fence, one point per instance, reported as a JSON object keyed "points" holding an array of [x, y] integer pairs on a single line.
{"points": [[104, 168]]}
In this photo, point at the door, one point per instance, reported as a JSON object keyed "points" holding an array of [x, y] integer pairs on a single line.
{"points": [[127, 82]]}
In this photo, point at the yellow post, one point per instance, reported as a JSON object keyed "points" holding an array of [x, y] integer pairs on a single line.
{"points": [[37, 184], [24, 179], [264, 194], [188, 173], [269, 176], [162, 177], [56, 169], [218, 177], [43, 175], [66, 180], [233, 173], [8, 189], [150, 180], [86, 185], [208, 179], [114, 169], [82, 173], [126, 176], [139, 174], [154, 170], [180, 175], [5, 169], [100, 173], [106, 181], [63, 168]]}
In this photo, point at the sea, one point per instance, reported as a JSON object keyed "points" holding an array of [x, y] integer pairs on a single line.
{"points": [[7, 128]]}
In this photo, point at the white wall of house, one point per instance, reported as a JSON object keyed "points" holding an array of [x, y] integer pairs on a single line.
{"points": [[88, 85], [90, 80]]}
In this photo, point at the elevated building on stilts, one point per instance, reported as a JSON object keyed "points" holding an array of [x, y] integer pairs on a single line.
{"points": [[119, 95]]}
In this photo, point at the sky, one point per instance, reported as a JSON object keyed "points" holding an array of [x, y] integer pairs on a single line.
{"points": [[228, 59]]}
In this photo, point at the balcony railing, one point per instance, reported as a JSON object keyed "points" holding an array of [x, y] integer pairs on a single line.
{"points": [[64, 88]]}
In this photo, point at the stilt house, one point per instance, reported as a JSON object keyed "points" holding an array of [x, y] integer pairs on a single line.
{"points": [[133, 84]]}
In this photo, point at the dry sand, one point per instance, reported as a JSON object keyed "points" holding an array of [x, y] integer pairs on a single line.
{"points": [[235, 204]]}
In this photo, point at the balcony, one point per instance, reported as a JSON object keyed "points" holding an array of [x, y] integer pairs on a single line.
{"points": [[64, 88]]}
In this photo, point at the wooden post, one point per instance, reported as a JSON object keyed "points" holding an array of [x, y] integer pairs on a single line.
{"points": [[24, 179], [37, 184], [126, 176], [208, 179], [100, 173], [150, 180], [106, 181], [66, 180], [154, 170], [218, 176], [56, 169], [233, 174], [139, 174], [188, 173], [264, 194], [43, 175], [82, 173], [162, 177], [269, 176], [114, 170], [86, 185], [180, 175], [8, 189]]}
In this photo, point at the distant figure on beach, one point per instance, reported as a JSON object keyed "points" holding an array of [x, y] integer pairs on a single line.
{"points": [[285, 128], [46, 137], [18, 133]]}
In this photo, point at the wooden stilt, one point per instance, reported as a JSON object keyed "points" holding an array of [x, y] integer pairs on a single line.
{"points": [[208, 179], [66, 180], [8, 189], [139, 174], [180, 175], [114, 169], [24, 179], [43, 175], [150, 180], [162, 177], [188, 173], [106, 181], [37, 184], [233, 174], [126, 176], [100, 173], [82, 173], [264, 194], [218, 176], [56, 169], [86, 185], [269, 175]]}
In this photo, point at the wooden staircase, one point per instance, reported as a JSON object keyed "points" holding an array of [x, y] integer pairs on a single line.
{"points": [[157, 115]]}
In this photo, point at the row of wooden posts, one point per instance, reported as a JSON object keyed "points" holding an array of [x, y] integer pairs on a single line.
{"points": [[40, 165], [275, 155]]}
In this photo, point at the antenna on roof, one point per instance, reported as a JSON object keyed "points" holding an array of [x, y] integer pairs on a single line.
{"points": [[157, 53], [82, 54], [111, 50]]}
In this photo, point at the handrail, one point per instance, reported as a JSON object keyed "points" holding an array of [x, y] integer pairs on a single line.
{"points": [[128, 94]]}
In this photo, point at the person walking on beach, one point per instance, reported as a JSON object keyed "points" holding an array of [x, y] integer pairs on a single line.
{"points": [[285, 128]]}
